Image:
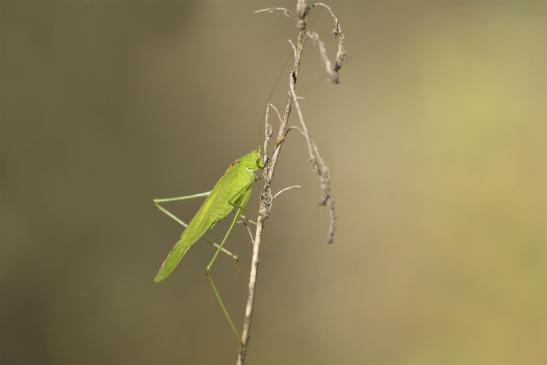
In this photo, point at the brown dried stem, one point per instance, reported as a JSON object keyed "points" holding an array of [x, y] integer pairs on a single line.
{"points": [[318, 165]]}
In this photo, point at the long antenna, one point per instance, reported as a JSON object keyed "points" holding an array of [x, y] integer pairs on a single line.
{"points": [[261, 129], [281, 71]]}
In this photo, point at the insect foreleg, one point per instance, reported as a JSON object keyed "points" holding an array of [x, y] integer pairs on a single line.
{"points": [[243, 199], [243, 219], [246, 222], [241, 204], [244, 209], [213, 286]]}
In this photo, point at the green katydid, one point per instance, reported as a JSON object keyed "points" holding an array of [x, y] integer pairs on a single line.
{"points": [[232, 191]]}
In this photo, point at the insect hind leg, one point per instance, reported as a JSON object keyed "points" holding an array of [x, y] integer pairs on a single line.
{"points": [[208, 270], [222, 306], [158, 202]]}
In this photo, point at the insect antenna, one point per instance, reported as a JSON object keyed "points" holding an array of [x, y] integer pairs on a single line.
{"points": [[265, 111]]}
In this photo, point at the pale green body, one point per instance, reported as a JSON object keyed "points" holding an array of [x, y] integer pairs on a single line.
{"points": [[232, 191]]}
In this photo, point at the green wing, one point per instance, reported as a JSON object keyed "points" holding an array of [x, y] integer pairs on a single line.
{"points": [[215, 208]]}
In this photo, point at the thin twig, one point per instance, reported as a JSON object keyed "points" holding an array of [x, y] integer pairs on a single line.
{"points": [[296, 128], [270, 105], [331, 71], [268, 131], [277, 11], [245, 222], [318, 165], [266, 197], [285, 190], [338, 34]]}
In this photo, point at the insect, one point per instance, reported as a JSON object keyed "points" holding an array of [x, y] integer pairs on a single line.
{"points": [[231, 192]]}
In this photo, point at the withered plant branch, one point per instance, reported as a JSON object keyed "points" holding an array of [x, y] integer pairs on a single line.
{"points": [[319, 166], [331, 71], [277, 11], [267, 197], [338, 34], [271, 106], [296, 128], [245, 222], [285, 190]]}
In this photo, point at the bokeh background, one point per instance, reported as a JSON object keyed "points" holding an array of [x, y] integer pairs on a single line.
{"points": [[436, 139]]}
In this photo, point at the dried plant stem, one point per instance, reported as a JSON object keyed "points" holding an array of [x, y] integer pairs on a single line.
{"points": [[318, 166], [266, 201]]}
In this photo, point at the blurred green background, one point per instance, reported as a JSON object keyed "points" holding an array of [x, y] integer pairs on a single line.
{"points": [[436, 139]]}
